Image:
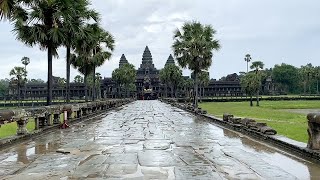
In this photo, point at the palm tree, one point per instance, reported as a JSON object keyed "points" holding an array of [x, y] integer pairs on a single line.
{"points": [[247, 58], [43, 26], [256, 66], [250, 84], [12, 9], [6, 8], [73, 30], [92, 51], [103, 45], [25, 61], [193, 46], [18, 73], [82, 63]]}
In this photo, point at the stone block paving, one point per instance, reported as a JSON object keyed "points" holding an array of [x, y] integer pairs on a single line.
{"points": [[150, 140]]}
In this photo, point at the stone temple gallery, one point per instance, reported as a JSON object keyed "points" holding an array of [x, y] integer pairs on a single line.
{"points": [[147, 84]]}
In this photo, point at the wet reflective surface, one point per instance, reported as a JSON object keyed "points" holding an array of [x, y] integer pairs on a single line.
{"points": [[150, 140]]}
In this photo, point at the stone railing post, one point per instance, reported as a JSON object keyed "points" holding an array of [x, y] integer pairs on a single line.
{"points": [[49, 119], [36, 123], [314, 131], [22, 126], [56, 118], [21, 118]]}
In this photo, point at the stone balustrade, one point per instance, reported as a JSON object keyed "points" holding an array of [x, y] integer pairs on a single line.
{"points": [[250, 124], [246, 123], [51, 115], [189, 106]]}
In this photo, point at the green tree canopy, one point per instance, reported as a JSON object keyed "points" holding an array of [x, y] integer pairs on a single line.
{"points": [[171, 75], [4, 87], [78, 79], [193, 48], [92, 51], [125, 77], [18, 74], [287, 77]]}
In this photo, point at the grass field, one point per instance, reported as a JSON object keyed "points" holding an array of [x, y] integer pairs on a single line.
{"points": [[10, 129], [274, 113]]}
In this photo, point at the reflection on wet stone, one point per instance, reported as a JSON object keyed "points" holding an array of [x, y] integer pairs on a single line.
{"points": [[150, 140]]}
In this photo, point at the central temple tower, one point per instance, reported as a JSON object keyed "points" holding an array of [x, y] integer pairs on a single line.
{"points": [[147, 76]]}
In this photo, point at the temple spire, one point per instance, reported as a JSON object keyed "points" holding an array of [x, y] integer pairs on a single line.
{"points": [[170, 60], [123, 60], [147, 57]]}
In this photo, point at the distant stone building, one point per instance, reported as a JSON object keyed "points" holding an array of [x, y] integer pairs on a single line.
{"points": [[147, 83]]}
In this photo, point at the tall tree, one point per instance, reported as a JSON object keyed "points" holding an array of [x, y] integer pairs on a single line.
{"points": [[42, 24], [257, 66], [247, 58], [92, 51], [103, 46], [18, 73], [193, 48], [286, 76], [4, 87], [73, 30], [25, 61]]}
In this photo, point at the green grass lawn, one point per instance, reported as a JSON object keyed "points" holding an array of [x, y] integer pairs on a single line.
{"points": [[292, 125], [10, 129]]}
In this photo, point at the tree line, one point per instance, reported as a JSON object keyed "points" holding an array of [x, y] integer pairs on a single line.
{"points": [[284, 78]]}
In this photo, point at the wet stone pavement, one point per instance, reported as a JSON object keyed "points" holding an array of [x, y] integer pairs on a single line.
{"points": [[150, 140]]}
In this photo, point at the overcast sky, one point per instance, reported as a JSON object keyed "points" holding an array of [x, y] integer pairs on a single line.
{"points": [[271, 31]]}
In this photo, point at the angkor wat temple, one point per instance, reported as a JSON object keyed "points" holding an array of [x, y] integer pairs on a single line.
{"points": [[147, 81]]}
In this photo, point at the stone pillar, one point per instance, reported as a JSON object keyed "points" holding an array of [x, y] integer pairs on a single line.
{"points": [[314, 131], [79, 114], [49, 119], [84, 111], [56, 118], [69, 115], [22, 126], [42, 121], [36, 123]]}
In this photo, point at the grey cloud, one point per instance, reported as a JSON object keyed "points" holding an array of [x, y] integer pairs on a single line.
{"points": [[272, 31]]}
